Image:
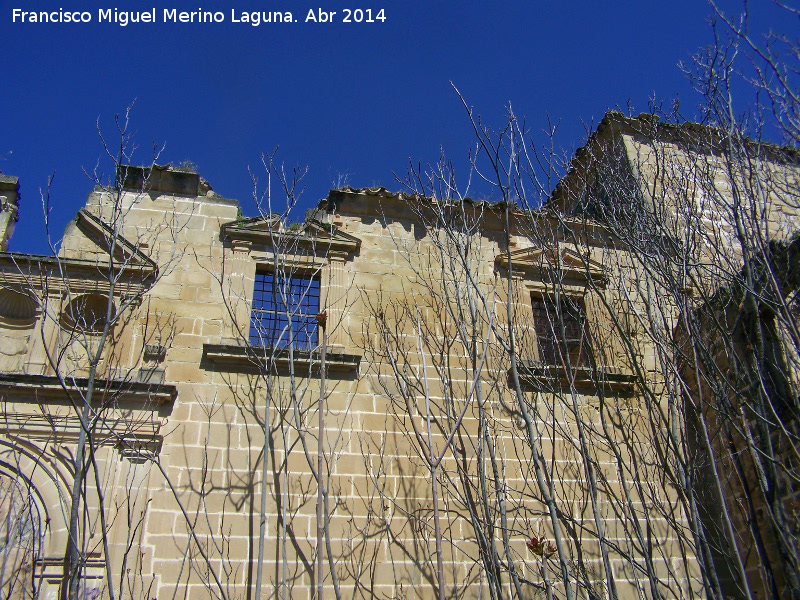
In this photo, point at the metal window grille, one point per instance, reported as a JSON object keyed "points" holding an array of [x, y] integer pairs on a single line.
{"points": [[553, 346], [284, 311]]}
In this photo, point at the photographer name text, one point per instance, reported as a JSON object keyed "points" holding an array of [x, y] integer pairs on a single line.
{"points": [[124, 18]]}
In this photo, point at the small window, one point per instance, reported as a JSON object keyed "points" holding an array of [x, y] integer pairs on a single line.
{"points": [[278, 301], [548, 316]]}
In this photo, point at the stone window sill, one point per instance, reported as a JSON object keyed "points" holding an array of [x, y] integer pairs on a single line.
{"points": [[231, 357], [609, 378]]}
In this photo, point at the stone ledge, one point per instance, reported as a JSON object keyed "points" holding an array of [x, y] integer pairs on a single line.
{"points": [[51, 386], [610, 378], [230, 357]]}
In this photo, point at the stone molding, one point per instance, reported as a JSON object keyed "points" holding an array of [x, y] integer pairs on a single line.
{"points": [[255, 358], [544, 377], [48, 386], [567, 263], [111, 241], [137, 439], [313, 237]]}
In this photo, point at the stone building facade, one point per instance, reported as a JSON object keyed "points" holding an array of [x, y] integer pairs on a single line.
{"points": [[176, 345]]}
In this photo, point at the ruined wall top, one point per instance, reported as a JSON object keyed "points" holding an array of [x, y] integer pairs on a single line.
{"points": [[163, 178]]}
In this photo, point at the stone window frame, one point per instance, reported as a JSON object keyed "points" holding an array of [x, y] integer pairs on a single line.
{"points": [[573, 281], [318, 248]]}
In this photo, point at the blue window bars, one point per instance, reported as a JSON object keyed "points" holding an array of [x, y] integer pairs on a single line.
{"points": [[279, 300]]}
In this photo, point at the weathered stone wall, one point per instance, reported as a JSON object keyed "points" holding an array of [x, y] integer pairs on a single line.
{"points": [[182, 475]]}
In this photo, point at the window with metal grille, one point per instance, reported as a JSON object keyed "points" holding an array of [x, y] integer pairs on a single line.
{"points": [[555, 345], [278, 301]]}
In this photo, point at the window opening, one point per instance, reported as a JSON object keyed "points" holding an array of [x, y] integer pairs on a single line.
{"points": [[548, 313], [279, 300]]}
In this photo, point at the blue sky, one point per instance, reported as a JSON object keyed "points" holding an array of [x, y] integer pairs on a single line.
{"points": [[357, 99]]}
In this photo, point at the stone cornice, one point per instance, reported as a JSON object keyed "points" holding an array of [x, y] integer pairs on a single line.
{"points": [[80, 274], [568, 264], [51, 274], [50, 386], [313, 237], [113, 243]]}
